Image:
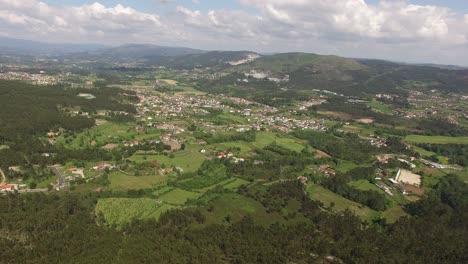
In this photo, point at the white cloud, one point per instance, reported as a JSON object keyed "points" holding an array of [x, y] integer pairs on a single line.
{"points": [[86, 23], [390, 29]]}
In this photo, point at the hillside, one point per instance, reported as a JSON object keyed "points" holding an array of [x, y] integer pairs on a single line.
{"points": [[135, 52], [301, 73], [10, 46], [221, 59]]}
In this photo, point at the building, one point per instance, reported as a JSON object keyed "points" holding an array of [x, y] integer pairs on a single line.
{"points": [[8, 187]]}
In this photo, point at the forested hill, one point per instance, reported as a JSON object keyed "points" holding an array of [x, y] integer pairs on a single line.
{"points": [[29, 109], [61, 228], [302, 72]]}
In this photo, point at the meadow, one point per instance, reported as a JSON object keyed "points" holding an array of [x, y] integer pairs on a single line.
{"points": [[122, 182], [178, 196], [189, 159], [436, 139], [380, 108], [119, 211], [319, 193]]}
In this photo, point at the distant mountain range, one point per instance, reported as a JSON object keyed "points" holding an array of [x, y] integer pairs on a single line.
{"points": [[250, 72], [10, 46], [153, 54]]}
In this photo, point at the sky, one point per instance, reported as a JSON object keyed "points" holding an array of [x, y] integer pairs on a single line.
{"points": [[425, 31]]}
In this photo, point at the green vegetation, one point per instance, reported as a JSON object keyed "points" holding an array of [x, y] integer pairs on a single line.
{"points": [[189, 159], [119, 211], [178, 196], [210, 173], [143, 177], [335, 201], [436, 139], [380, 108], [122, 182]]}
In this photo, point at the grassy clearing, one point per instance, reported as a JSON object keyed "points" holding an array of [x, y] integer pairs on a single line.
{"points": [[263, 139], [266, 138], [236, 207], [345, 166], [365, 186], [108, 132], [327, 197], [393, 214], [222, 183], [233, 119], [235, 184], [188, 90], [245, 147], [189, 160], [436, 139], [49, 180], [123, 182], [178, 196], [426, 153], [380, 108], [164, 208], [163, 190], [119, 211]]}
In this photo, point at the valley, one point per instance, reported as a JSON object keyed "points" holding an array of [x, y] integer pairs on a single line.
{"points": [[200, 140]]}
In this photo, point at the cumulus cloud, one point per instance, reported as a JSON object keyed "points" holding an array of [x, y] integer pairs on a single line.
{"points": [[389, 29], [87, 23]]}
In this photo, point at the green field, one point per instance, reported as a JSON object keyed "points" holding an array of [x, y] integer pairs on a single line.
{"points": [[119, 211], [189, 159], [187, 90], [235, 184], [263, 139], [178, 196], [163, 190], [327, 197], [436, 139], [266, 138], [237, 206], [365, 186], [123, 182], [380, 108], [345, 166], [393, 214]]}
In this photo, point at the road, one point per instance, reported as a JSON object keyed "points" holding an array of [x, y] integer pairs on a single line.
{"points": [[3, 176], [58, 174], [33, 190]]}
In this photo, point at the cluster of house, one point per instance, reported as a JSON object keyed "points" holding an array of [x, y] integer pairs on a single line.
{"points": [[326, 169], [103, 166], [39, 79], [262, 116], [227, 155], [312, 102], [175, 106], [286, 124], [376, 141]]}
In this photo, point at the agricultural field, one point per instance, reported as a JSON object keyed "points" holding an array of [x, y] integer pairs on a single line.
{"points": [[436, 139], [365, 185], [189, 159], [319, 193], [235, 207], [187, 90], [178, 196], [119, 211], [123, 182], [266, 138], [392, 214], [235, 184], [108, 132], [379, 107]]}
